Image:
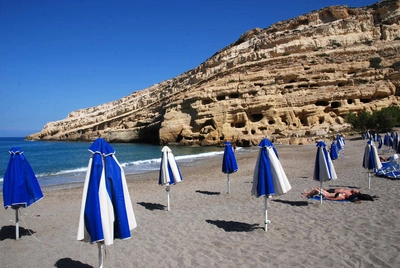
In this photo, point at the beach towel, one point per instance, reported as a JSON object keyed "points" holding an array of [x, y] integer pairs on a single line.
{"points": [[316, 197]]}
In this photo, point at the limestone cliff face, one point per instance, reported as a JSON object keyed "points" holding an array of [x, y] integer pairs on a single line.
{"points": [[295, 79]]}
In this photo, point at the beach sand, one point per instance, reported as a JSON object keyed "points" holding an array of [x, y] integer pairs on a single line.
{"points": [[207, 227]]}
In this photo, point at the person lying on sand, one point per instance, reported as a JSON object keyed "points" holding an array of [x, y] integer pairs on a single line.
{"points": [[332, 194], [390, 158]]}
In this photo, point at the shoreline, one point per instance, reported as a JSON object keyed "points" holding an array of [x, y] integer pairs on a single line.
{"points": [[207, 227]]}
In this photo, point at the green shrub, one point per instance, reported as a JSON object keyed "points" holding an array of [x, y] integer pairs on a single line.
{"points": [[379, 121]]}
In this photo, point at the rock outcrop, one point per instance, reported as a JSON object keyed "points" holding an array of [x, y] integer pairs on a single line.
{"points": [[296, 79]]}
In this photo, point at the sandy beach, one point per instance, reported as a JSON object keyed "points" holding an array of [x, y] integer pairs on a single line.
{"points": [[207, 227]]}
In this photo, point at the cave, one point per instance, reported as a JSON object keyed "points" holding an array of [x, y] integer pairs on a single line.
{"points": [[271, 122], [151, 135], [322, 103], [255, 117], [205, 102], [365, 100], [220, 98], [239, 125], [335, 104], [350, 101], [234, 96]]}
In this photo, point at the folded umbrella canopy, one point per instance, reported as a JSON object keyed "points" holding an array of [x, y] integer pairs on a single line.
{"points": [[341, 143], [334, 151], [371, 159], [323, 168], [169, 171], [20, 185], [106, 211], [229, 164], [269, 177]]}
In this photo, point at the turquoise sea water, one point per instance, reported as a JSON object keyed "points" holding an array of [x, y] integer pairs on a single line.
{"points": [[57, 163]]}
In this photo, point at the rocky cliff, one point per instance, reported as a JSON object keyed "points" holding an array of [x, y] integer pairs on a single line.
{"points": [[296, 79]]}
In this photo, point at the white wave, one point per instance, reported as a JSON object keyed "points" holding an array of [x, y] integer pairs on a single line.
{"points": [[62, 172], [134, 166]]}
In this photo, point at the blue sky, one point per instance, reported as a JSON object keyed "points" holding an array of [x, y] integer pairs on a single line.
{"points": [[58, 56]]}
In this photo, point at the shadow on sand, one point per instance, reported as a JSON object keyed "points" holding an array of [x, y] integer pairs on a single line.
{"points": [[234, 226], [69, 263], [152, 206], [8, 232], [207, 192], [292, 203]]}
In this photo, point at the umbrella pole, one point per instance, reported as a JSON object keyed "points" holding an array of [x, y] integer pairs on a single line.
{"points": [[16, 224], [369, 180], [229, 185], [266, 213], [168, 188], [100, 247], [320, 192]]}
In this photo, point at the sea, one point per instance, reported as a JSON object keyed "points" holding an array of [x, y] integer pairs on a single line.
{"points": [[60, 163]]}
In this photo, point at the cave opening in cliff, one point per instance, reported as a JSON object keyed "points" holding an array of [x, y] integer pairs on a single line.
{"points": [[234, 96], [365, 100], [150, 135], [255, 117], [206, 101], [322, 103], [350, 101], [335, 104]]}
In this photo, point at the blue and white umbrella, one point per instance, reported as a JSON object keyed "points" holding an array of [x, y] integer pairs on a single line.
{"points": [[229, 164], [106, 211], [323, 169], [334, 150], [395, 141], [388, 140], [371, 159], [380, 141], [169, 171], [20, 185], [269, 177], [341, 143]]}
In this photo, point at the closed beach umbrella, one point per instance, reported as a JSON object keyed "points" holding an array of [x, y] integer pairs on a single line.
{"points": [[20, 186], [395, 141], [323, 169], [380, 141], [388, 140], [229, 164], [106, 211], [334, 151], [169, 171], [269, 177], [341, 143], [371, 159]]}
